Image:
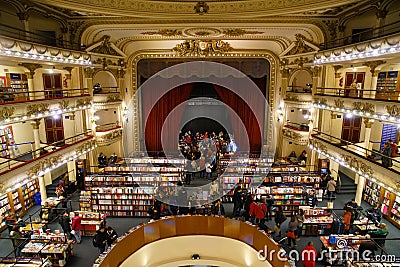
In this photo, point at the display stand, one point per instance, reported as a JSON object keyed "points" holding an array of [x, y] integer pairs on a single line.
{"points": [[372, 193], [5, 208], [91, 222], [316, 220]]}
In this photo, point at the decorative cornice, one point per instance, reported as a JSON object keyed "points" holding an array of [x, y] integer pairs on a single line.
{"points": [[37, 108], [6, 112], [165, 32], [291, 97], [363, 106], [368, 122], [393, 110], [339, 103], [113, 98], [320, 101], [112, 137], [63, 104], [83, 101], [295, 137], [202, 47], [31, 67], [238, 32]]}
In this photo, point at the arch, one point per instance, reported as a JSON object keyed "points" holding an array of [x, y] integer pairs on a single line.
{"points": [[105, 78], [301, 77]]}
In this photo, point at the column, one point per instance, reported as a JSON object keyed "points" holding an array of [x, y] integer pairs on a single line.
{"points": [[71, 167], [32, 67], [284, 82], [42, 188], [334, 168], [367, 135], [360, 187], [89, 79], [372, 66], [341, 35], [24, 18], [315, 79], [337, 77], [36, 137], [380, 16]]}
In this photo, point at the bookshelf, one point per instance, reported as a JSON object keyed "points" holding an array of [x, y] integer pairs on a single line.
{"points": [[228, 185], [19, 84], [85, 201], [5, 209], [395, 211], [289, 198], [372, 193], [122, 201], [4, 144], [386, 203], [51, 247], [316, 220], [387, 85], [28, 190], [15, 201]]}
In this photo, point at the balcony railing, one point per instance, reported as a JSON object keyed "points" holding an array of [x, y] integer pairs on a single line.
{"points": [[107, 127], [372, 155], [298, 89], [106, 90], [31, 155], [386, 95], [10, 95], [40, 38], [366, 35], [296, 126]]}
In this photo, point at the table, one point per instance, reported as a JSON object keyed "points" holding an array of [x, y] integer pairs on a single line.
{"points": [[32, 227], [337, 253], [364, 229]]}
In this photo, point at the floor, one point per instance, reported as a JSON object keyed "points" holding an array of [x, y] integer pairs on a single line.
{"points": [[85, 253]]}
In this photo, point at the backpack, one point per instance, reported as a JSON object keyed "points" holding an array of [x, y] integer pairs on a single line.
{"points": [[94, 240]]}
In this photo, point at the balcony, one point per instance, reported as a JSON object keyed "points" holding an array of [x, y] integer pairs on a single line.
{"points": [[365, 94], [378, 32], [107, 127], [107, 97], [34, 163], [298, 94], [8, 95], [295, 132], [367, 162]]}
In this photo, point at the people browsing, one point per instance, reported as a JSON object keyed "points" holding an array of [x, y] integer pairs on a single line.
{"points": [[309, 255], [100, 239], [17, 240], [237, 201], [375, 214], [76, 227], [112, 235], [218, 208], [65, 221], [331, 189], [311, 199], [387, 154], [279, 219]]}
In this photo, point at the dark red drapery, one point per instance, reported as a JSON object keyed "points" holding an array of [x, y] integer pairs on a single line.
{"points": [[245, 113], [155, 121]]}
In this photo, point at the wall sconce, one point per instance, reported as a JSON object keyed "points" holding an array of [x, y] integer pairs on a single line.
{"points": [[279, 111]]}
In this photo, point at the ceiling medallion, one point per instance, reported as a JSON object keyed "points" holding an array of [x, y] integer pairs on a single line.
{"points": [[201, 8], [238, 32], [202, 32], [165, 32], [202, 47]]}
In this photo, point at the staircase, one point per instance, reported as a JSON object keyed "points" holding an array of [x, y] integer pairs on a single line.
{"points": [[348, 185], [51, 188]]}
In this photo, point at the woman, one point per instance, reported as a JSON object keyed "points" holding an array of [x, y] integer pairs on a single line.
{"points": [[309, 255], [347, 221], [279, 219]]}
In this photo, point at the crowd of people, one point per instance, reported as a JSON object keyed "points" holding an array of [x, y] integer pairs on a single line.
{"points": [[103, 161]]}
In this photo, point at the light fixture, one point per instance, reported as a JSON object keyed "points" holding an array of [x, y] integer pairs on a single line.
{"points": [[195, 257]]}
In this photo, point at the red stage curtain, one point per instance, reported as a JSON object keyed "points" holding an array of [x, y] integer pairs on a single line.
{"points": [[247, 116], [160, 111]]}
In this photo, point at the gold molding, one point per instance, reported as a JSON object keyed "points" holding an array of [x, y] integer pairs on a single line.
{"points": [[113, 98], [339, 103], [202, 47], [367, 107], [165, 32], [63, 104], [37, 108], [83, 101], [368, 122], [7, 112], [292, 97], [393, 110], [229, 32]]}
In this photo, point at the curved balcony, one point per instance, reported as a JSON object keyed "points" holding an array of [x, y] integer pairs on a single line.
{"points": [[245, 238], [366, 94], [8, 95]]}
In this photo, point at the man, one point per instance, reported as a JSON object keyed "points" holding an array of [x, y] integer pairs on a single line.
{"points": [[311, 199], [64, 221], [237, 201], [76, 227], [353, 207], [100, 239], [309, 255], [394, 148], [112, 235], [331, 189]]}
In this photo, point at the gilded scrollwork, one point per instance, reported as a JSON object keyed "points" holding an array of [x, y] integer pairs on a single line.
{"points": [[201, 47], [83, 102], [6, 112], [109, 138], [165, 32], [113, 98], [393, 110], [63, 104], [238, 32], [339, 103], [292, 97], [37, 108]]}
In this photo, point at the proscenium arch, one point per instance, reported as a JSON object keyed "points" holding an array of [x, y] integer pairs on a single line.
{"points": [[134, 125]]}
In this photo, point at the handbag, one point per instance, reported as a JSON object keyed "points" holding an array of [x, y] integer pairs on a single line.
{"points": [[73, 232], [290, 234]]}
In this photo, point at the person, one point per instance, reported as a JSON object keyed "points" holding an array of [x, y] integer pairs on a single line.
{"points": [[60, 191], [20, 222], [387, 154], [394, 148], [269, 202], [291, 232], [208, 171], [374, 214], [292, 155], [352, 206], [113, 158], [324, 183], [347, 221], [214, 189], [353, 88], [76, 227], [279, 219], [311, 199], [382, 230], [18, 242], [100, 239], [246, 206], [218, 208], [257, 212], [300, 219], [45, 212], [112, 235], [64, 220], [309, 255], [331, 189], [102, 160], [80, 179], [237, 201], [367, 248], [303, 157]]}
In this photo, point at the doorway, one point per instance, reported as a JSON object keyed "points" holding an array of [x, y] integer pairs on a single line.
{"points": [[52, 85], [54, 131], [351, 129]]}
